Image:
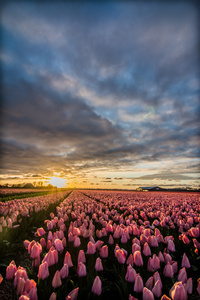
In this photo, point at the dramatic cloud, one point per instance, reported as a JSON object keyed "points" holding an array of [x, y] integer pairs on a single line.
{"points": [[101, 89]]}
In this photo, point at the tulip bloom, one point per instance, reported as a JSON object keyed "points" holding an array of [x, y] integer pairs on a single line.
{"points": [[64, 272], [56, 282], [119, 254], [130, 274], [59, 245], [81, 269], [146, 249], [153, 264], [10, 271], [189, 286], [178, 291], [98, 265], [97, 287], [91, 248], [104, 251], [182, 275], [77, 242], [73, 294], [139, 285], [171, 246], [149, 283], [43, 271], [41, 231], [168, 271], [147, 294], [138, 261], [185, 262], [81, 256], [53, 296], [157, 289], [68, 259]]}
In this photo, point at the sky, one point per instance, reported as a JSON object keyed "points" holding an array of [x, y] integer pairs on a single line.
{"points": [[101, 94]]}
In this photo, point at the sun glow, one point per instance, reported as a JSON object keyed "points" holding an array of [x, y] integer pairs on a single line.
{"points": [[58, 182]]}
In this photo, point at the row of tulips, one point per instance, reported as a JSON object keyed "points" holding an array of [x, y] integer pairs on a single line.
{"points": [[12, 212], [114, 245]]}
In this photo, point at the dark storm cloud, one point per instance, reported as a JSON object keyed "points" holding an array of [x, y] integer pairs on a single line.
{"points": [[89, 85]]}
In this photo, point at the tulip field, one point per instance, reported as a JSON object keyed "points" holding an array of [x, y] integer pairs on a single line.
{"points": [[100, 244]]}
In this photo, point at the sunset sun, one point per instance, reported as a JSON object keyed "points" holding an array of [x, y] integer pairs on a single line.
{"points": [[58, 182]]}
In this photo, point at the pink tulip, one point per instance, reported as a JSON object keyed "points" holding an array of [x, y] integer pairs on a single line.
{"points": [[98, 265], [178, 291], [53, 296], [161, 257], [168, 271], [104, 251], [91, 248], [99, 244], [59, 245], [138, 261], [130, 260], [110, 240], [185, 262], [20, 273], [77, 242], [36, 250], [194, 232], [153, 263], [96, 287], [185, 239], [146, 249], [189, 286], [68, 260], [20, 285], [29, 284], [175, 267], [64, 272], [149, 283], [171, 246], [43, 271], [119, 254], [73, 294], [182, 275], [81, 269], [81, 256], [157, 289], [152, 240], [42, 242], [41, 231], [156, 277], [56, 282], [130, 274], [10, 271], [138, 285], [147, 294]]}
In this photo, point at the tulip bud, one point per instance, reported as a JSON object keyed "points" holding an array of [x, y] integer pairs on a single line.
{"points": [[178, 291], [185, 262], [147, 294], [104, 251], [73, 294], [81, 269], [43, 271], [56, 282], [130, 274], [168, 271], [68, 259], [157, 289], [138, 261], [182, 275], [96, 287], [98, 265], [64, 272], [138, 286]]}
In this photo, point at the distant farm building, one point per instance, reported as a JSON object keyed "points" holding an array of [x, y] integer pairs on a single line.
{"points": [[149, 188]]}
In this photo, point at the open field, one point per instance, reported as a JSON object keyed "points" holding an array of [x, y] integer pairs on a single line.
{"points": [[91, 244]]}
